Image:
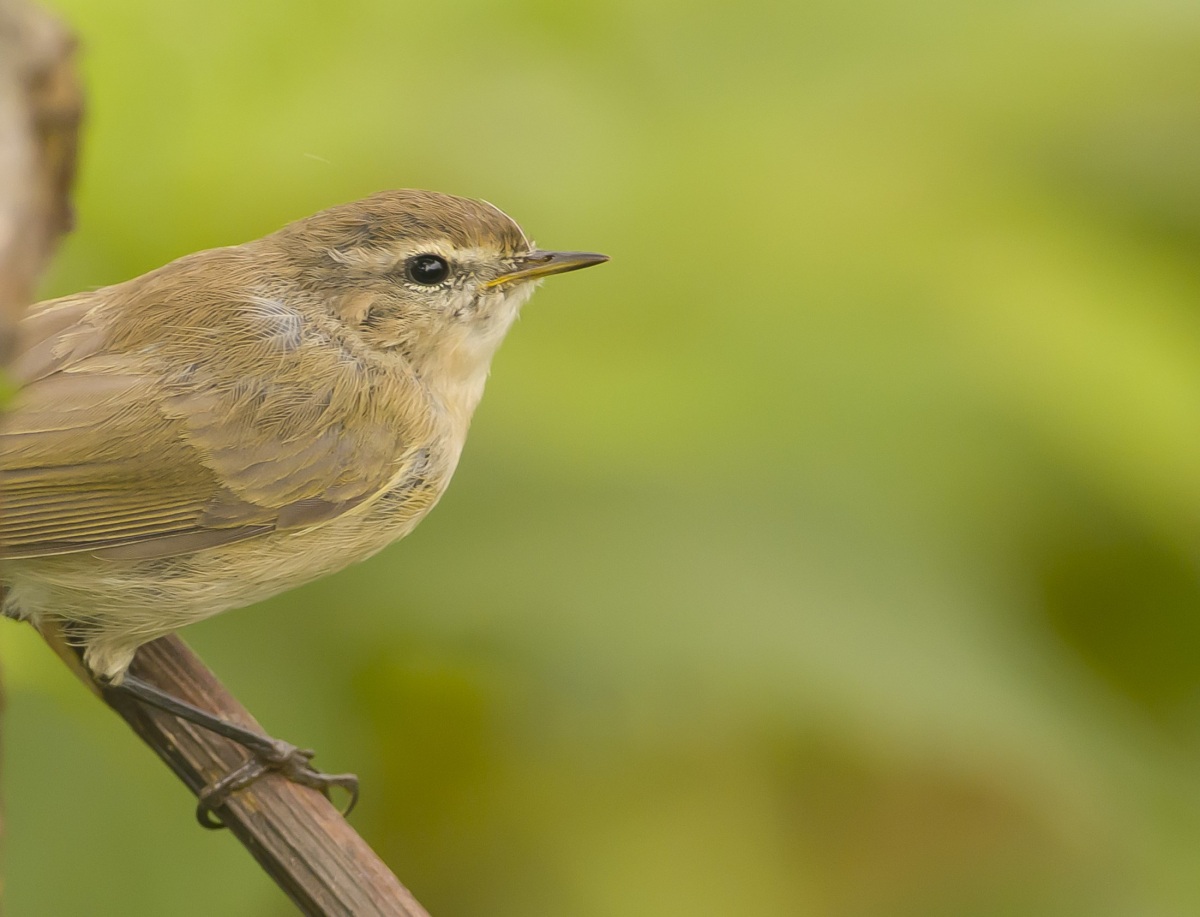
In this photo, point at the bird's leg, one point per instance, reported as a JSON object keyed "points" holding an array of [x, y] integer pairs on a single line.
{"points": [[267, 753]]}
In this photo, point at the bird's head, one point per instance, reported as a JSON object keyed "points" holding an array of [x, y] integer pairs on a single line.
{"points": [[438, 277]]}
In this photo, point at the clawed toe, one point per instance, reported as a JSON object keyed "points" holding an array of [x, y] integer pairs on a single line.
{"points": [[283, 758]]}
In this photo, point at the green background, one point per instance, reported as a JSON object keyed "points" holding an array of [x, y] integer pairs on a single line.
{"points": [[833, 551]]}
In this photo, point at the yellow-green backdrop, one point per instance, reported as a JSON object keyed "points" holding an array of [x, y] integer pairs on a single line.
{"points": [[833, 551]]}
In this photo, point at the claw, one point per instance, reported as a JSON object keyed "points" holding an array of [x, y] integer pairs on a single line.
{"points": [[284, 758], [215, 794]]}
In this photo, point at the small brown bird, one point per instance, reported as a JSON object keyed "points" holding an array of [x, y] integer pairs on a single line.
{"points": [[247, 419]]}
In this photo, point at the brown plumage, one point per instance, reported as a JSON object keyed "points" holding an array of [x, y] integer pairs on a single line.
{"points": [[249, 418]]}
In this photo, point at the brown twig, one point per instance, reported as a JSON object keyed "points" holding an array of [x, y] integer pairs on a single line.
{"points": [[293, 831]]}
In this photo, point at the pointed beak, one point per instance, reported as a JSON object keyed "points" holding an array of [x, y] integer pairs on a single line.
{"points": [[538, 264]]}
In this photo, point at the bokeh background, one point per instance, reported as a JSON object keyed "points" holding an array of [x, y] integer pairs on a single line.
{"points": [[833, 551]]}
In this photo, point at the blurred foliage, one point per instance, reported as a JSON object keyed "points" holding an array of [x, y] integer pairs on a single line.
{"points": [[833, 551]]}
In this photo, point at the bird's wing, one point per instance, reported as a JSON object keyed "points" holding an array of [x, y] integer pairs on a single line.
{"points": [[194, 440]]}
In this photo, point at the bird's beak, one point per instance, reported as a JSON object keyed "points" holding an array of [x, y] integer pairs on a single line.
{"points": [[542, 264]]}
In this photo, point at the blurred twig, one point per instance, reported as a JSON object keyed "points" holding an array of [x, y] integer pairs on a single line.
{"points": [[293, 831], [40, 107], [41, 104]]}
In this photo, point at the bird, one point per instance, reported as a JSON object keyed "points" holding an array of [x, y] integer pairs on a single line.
{"points": [[247, 419]]}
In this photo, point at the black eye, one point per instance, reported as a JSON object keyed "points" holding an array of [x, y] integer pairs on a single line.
{"points": [[429, 270]]}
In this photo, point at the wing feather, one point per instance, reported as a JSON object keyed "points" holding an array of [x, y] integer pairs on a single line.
{"points": [[134, 437]]}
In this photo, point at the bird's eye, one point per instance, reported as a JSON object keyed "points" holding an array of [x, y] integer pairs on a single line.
{"points": [[429, 270]]}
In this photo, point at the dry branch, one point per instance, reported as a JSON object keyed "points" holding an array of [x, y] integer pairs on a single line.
{"points": [[294, 832], [299, 839]]}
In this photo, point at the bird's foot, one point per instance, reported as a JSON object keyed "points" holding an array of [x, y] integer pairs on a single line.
{"points": [[281, 757], [267, 754]]}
